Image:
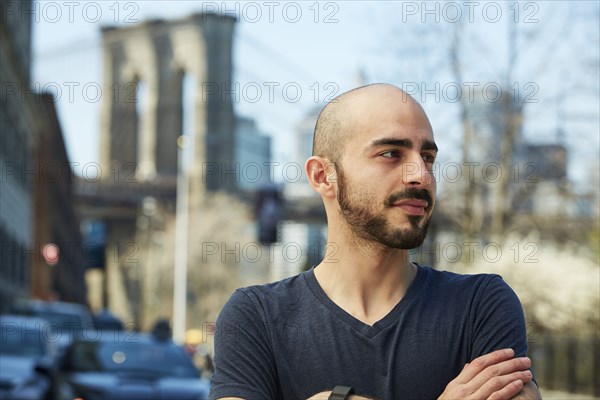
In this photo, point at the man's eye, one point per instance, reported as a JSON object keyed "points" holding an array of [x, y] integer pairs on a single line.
{"points": [[391, 154], [428, 158]]}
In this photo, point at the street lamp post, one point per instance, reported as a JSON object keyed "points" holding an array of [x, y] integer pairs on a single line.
{"points": [[181, 245]]}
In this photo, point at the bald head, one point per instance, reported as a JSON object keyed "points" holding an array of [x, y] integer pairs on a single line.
{"points": [[340, 118]]}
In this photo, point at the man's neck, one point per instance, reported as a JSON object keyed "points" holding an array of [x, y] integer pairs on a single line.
{"points": [[365, 279]]}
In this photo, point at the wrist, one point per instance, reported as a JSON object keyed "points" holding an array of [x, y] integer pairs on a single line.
{"points": [[341, 393]]}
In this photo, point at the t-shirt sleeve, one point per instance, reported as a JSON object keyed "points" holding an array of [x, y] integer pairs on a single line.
{"points": [[499, 321], [244, 362]]}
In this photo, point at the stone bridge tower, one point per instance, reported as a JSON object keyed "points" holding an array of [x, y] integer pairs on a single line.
{"points": [[135, 198], [158, 54]]}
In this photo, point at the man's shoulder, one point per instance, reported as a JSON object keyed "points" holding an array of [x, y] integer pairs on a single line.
{"points": [[272, 296], [277, 288], [442, 276], [443, 281]]}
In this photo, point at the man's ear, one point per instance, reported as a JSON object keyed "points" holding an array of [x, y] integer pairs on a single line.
{"points": [[322, 176]]}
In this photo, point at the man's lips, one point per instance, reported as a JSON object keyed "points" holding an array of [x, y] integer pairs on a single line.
{"points": [[412, 206]]}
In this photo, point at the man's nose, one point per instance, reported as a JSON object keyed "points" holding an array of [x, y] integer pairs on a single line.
{"points": [[416, 173]]}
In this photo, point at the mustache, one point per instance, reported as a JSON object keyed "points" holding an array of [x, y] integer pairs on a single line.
{"points": [[410, 193]]}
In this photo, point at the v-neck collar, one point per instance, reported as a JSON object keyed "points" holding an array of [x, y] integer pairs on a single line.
{"points": [[359, 326]]}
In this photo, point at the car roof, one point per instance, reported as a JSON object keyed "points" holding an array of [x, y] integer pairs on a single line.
{"points": [[121, 336], [34, 306], [24, 321], [39, 305]]}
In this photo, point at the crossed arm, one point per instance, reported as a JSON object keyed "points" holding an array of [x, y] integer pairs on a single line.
{"points": [[494, 376]]}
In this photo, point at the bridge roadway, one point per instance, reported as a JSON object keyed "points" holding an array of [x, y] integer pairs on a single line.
{"points": [[107, 199]]}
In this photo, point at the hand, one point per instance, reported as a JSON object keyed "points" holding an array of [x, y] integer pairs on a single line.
{"points": [[494, 376]]}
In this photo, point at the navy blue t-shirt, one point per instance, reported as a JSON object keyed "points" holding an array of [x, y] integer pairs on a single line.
{"points": [[288, 340]]}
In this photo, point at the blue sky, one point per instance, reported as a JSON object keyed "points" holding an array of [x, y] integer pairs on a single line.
{"points": [[296, 54], [321, 47]]}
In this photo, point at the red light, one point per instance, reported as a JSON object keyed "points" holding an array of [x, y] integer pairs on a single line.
{"points": [[51, 253]]}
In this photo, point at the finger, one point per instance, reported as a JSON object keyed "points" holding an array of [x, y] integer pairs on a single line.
{"points": [[480, 363], [507, 392], [503, 368], [503, 385]]}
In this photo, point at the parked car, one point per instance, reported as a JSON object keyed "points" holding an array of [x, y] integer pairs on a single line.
{"points": [[68, 319], [129, 365], [28, 353]]}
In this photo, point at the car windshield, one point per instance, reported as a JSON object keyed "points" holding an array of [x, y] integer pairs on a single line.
{"points": [[152, 358], [24, 343]]}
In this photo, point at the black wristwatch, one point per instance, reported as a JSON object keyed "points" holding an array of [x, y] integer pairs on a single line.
{"points": [[341, 393]]}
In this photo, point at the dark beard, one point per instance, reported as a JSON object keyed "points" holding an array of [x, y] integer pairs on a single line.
{"points": [[358, 211]]}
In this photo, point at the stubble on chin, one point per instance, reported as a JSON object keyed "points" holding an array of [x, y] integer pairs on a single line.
{"points": [[368, 225]]}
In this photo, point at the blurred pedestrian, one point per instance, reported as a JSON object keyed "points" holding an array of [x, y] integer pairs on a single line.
{"points": [[106, 320], [162, 330]]}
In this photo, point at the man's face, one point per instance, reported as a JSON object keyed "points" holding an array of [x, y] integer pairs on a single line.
{"points": [[368, 215], [386, 188]]}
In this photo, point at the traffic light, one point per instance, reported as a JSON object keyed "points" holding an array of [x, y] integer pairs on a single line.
{"points": [[268, 213], [94, 244]]}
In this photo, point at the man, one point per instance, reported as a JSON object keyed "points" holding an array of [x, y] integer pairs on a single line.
{"points": [[366, 317]]}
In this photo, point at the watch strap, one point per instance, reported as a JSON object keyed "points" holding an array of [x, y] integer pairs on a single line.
{"points": [[340, 393]]}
